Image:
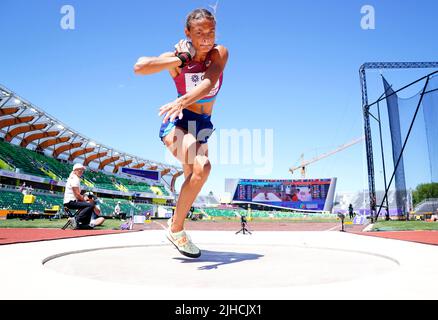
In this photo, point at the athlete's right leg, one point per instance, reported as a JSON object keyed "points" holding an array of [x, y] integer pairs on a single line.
{"points": [[174, 142]]}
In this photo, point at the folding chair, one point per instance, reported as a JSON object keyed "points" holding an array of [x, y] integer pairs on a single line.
{"points": [[70, 215]]}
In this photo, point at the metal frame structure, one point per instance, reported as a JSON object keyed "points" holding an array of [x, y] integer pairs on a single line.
{"points": [[39, 131], [366, 114]]}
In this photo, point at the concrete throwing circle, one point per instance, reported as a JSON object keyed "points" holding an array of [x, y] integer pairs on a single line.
{"points": [[221, 266]]}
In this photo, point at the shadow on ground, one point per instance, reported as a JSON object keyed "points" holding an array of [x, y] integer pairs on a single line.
{"points": [[220, 259]]}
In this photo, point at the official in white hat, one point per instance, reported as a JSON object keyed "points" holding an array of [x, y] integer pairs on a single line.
{"points": [[74, 200]]}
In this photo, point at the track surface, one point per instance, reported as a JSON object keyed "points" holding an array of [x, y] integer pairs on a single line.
{"points": [[13, 236]]}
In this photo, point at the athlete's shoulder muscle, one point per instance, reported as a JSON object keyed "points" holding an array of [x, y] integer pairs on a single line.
{"points": [[219, 59], [220, 55]]}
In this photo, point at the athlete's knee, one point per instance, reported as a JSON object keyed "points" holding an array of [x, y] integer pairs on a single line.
{"points": [[201, 168]]}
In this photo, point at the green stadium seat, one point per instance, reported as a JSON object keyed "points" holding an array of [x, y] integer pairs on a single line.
{"points": [[33, 163]]}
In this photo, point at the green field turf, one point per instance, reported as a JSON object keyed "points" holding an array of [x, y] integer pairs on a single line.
{"points": [[404, 226], [111, 224], [276, 220], [52, 224]]}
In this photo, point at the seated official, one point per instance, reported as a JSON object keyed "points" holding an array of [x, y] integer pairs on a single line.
{"points": [[75, 201]]}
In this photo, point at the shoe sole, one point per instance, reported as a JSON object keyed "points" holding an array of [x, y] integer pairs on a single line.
{"points": [[186, 254]]}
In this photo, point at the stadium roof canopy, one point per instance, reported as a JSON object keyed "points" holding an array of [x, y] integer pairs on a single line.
{"points": [[24, 124]]}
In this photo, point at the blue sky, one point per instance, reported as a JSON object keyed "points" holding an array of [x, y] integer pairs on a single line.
{"points": [[293, 68]]}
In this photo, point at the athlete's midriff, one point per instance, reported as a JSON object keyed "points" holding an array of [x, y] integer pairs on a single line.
{"points": [[204, 108], [191, 76]]}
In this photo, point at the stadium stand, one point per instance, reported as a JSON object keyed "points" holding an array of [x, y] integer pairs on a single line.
{"points": [[101, 180], [46, 201], [207, 201], [38, 151], [11, 200], [30, 162], [427, 206], [259, 214], [134, 186], [222, 213], [360, 201], [19, 158]]}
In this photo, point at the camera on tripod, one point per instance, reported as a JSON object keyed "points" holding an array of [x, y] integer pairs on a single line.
{"points": [[243, 223], [90, 196]]}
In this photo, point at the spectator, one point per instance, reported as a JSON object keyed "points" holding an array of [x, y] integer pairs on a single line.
{"points": [[434, 217], [96, 219], [117, 211], [75, 201], [351, 211]]}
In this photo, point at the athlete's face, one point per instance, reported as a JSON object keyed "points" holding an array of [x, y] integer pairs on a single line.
{"points": [[203, 35]]}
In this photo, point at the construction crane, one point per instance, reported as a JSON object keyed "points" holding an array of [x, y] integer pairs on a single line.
{"points": [[305, 163]]}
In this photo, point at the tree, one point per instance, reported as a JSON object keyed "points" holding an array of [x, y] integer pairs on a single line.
{"points": [[425, 191]]}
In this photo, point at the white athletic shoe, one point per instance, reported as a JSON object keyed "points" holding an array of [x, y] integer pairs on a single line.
{"points": [[183, 244]]}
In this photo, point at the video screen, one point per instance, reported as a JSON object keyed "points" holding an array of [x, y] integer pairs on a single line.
{"points": [[296, 194]]}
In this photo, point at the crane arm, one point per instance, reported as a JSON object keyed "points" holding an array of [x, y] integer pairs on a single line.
{"points": [[328, 154]]}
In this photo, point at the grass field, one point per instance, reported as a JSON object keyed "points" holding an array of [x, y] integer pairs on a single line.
{"points": [[286, 220], [404, 226], [51, 224], [111, 224]]}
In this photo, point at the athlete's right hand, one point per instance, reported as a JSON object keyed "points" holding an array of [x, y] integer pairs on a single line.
{"points": [[185, 46], [173, 110]]}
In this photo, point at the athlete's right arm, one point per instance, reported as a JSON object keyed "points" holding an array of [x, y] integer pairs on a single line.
{"points": [[151, 65]]}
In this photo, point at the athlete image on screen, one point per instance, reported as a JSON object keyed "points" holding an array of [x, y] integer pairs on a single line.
{"points": [[304, 194]]}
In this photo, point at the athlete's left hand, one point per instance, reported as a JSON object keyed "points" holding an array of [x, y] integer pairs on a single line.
{"points": [[186, 46], [172, 110]]}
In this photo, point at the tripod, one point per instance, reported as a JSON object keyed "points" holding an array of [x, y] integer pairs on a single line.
{"points": [[243, 229], [342, 217]]}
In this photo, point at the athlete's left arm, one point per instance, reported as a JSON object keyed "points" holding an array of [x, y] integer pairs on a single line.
{"points": [[219, 58], [173, 110]]}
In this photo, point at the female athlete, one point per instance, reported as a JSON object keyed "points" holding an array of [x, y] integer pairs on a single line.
{"points": [[196, 66]]}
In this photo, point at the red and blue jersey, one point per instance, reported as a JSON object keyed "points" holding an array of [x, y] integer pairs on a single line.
{"points": [[192, 75]]}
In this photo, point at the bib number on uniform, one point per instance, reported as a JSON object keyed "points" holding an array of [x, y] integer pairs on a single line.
{"points": [[195, 79]]}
